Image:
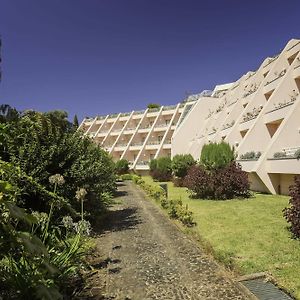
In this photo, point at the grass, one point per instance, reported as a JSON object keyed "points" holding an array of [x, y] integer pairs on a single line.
{"points": [[251, 234]]}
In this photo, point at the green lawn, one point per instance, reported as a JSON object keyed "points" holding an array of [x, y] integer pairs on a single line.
{"points": [[252, 234]]}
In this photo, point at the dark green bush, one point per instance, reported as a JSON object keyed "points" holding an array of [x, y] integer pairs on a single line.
{"points": [[216, 155], [122, 166], [161, 169], [45, 144], [181, 163]]}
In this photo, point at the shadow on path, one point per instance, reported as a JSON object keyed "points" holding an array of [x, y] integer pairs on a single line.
{"points": [[122, 219]]}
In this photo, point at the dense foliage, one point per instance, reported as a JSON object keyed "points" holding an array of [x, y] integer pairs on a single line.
{"points": [[216, 155], [225, 183], [122, 166], [181, 163], [161, 169], [292, 213], [51, 180], [45, 144]]}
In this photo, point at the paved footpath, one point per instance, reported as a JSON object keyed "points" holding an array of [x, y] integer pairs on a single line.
{"points": [[147, 257]]}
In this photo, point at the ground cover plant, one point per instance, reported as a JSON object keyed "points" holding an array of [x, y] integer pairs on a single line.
{"points": [[248, 235], [53, 183], [173, 206]]}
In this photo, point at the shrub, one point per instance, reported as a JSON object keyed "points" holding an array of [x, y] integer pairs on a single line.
{"points": [[251, 155], [122, 166], [225, 183], [292, 214], [161, 169], [216, 155], [45, 144], [126, 177], [280, 154], [181, 163]]}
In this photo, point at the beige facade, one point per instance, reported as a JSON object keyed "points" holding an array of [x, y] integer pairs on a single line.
{"points": [[259, 113], [138, 136]]}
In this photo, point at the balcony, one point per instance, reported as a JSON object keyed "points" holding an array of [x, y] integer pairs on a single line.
{"points": [[142, 165], [279, 112], [129, 130], [248, 165], [167, 110], [120, 147], [272, 84], [284, 165], [136, 146]]}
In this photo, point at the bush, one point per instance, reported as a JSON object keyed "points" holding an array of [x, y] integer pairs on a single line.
{"points": [[251, 155], [126, 177], [122, 166], [161, 169], [226, 183], [292, 214], [280, 154], [42, 145], [216, 155], [181, 163]]}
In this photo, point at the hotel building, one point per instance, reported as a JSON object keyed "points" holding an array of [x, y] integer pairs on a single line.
{"points": [[259, 115]]}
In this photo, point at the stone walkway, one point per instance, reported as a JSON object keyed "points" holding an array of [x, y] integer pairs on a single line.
{"points": [[145, 256]]}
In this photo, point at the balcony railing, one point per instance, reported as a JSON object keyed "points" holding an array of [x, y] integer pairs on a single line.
{"points": [[151, 110], [252, 115], [170, 107], [282, 105], [125, 114], [228, 125], [145, 127], [230, 104], [140, 112], [282, 73], [153, 143], [143, 163], [101, 117], [113, 116], [168, 141], [137, 144], [162, 125]]}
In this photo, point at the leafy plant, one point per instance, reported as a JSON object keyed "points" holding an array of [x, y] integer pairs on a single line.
{"points": [[161, 169], [216, 155], [181, 163], [225, 183], [280, 154], [122, 166]]}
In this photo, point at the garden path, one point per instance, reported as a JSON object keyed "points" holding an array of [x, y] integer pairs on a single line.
{"points": [[145, 256]]}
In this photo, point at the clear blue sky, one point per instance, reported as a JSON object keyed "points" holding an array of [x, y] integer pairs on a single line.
{"points": [[102, 56]]}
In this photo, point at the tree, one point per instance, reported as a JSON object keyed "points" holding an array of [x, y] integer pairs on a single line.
{"points": [[153, 105], [181, 163], [122, 166], [75, 122], [161, 168], [216, 155]]}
